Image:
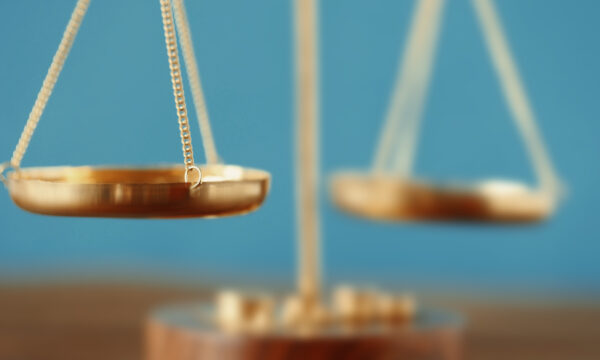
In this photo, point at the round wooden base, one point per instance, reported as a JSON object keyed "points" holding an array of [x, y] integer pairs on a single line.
{"points": [[185, 332]]}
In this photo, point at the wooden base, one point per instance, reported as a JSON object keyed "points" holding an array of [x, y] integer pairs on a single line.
{"points": [[185, 332]]}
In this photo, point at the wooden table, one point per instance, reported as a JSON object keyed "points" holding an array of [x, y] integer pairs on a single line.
{"points": [[105, 322]]}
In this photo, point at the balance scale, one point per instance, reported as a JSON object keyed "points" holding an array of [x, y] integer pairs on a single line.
{"points": [[355, 323]]}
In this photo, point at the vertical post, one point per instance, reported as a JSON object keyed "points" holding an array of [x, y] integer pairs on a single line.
{"points": [[307, 150]]}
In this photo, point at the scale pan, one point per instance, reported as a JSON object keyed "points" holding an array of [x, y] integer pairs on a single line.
{"points": [[129, 192], [385, 197]]}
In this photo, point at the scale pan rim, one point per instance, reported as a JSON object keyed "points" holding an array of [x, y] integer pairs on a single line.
{"points": [[138, 191], [388, 197]]}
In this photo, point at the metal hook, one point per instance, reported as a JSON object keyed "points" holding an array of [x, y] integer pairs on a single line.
{"points": [[3, 167], [187, 172]]}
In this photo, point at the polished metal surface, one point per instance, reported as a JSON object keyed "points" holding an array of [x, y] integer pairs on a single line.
{"points": [[129, 192], [385, 197]]}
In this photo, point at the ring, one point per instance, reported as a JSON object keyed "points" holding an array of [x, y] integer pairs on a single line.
{"points": [[3, 167], [186, 177]]}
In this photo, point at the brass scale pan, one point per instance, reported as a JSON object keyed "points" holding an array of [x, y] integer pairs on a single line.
{"points": [[130, 192], [386, 197], [162, 192]]}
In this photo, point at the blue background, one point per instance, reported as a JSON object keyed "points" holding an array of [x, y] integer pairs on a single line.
{"points": [[113, 105]]}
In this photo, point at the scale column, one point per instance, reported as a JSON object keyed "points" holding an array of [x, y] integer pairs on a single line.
{"points": [[307, 150]]}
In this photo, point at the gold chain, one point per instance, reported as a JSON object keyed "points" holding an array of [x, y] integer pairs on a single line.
{"points": [[51, 77], [191, 65], [173, 55], [55, 69]]}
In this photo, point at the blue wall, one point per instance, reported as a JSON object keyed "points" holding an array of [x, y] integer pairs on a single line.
{"points": [[115, 87]]}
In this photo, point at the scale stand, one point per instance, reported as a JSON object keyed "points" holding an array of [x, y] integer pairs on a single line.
{"points": [[358, 324]]}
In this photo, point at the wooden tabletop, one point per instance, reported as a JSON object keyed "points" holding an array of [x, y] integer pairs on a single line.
{"points": [[105, 322]]}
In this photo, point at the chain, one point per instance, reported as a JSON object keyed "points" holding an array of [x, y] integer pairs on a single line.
{"points": [[48, 85], [405, 108], [516, 96], [191, 65], [55, 69], [173, 55], [405, 112]]}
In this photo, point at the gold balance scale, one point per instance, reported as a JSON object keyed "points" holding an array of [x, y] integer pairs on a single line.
{"points": [[356, 323]]}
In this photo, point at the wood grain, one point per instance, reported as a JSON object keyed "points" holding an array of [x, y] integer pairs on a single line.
{"points": [[105, 322]]}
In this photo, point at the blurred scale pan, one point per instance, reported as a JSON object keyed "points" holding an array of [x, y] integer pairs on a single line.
{"points": [[390, 191], [396, 199]]}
